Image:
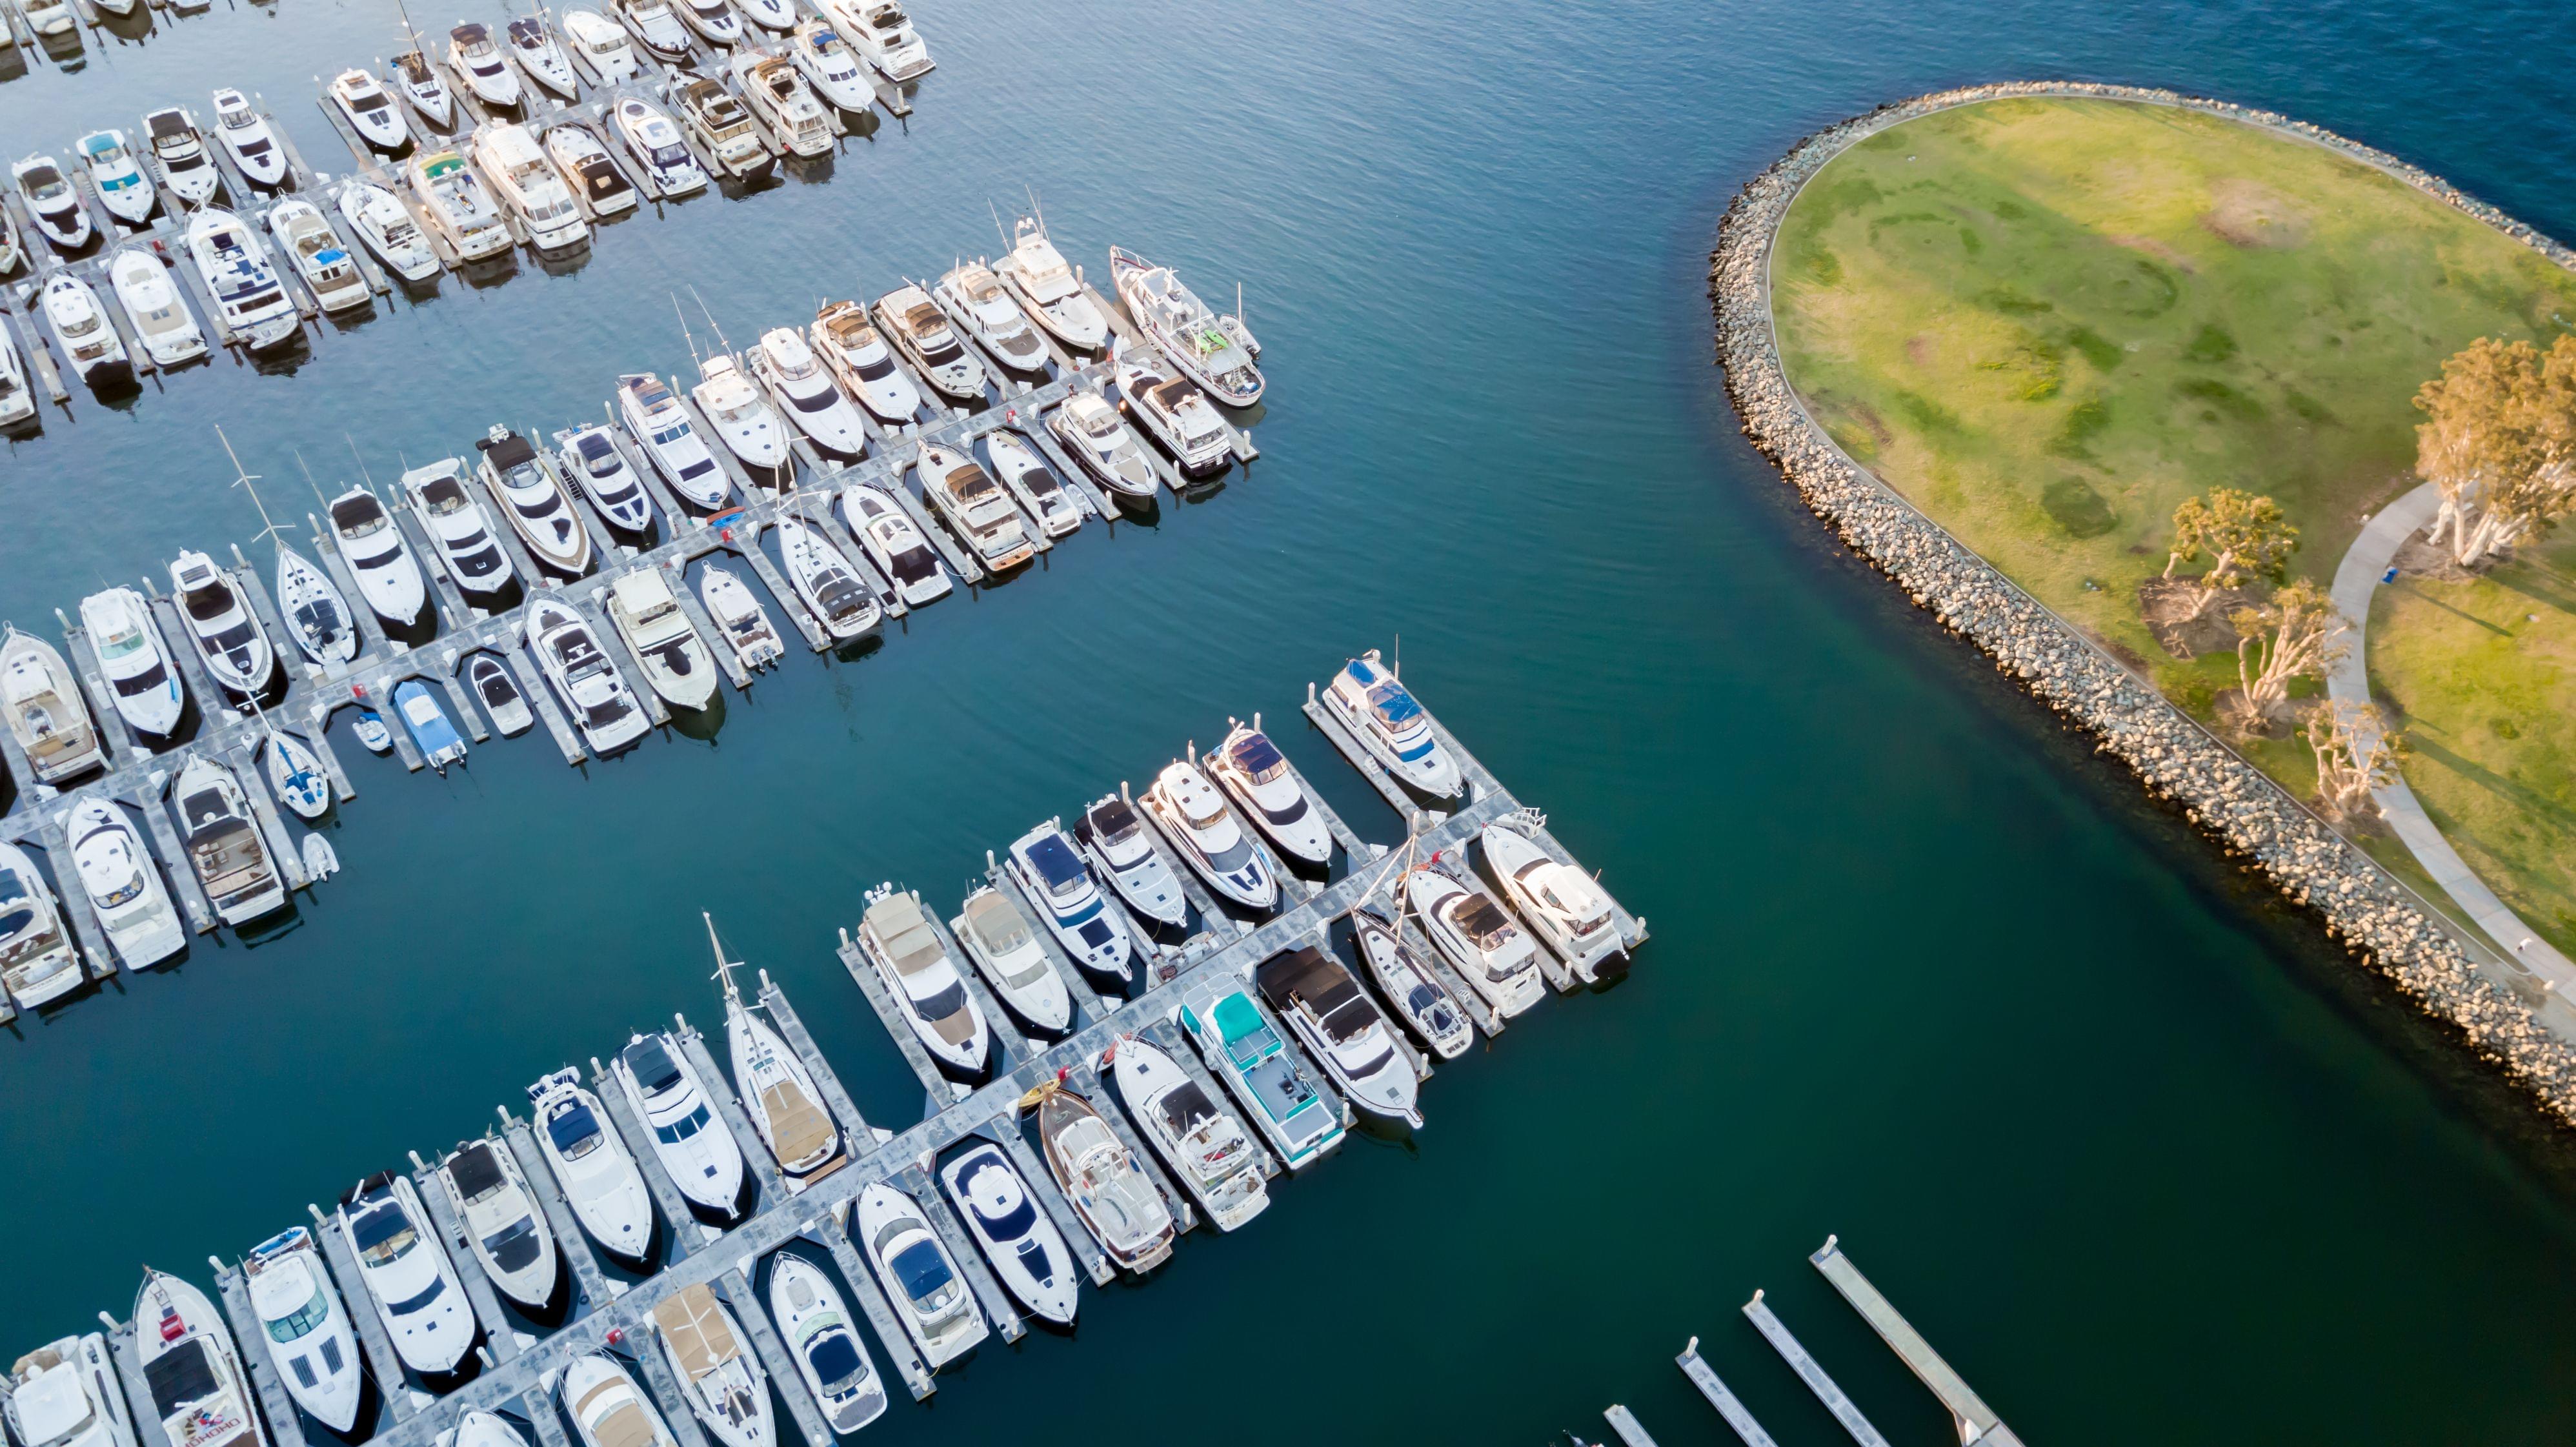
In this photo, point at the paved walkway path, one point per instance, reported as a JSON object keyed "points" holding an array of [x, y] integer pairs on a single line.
{"points": [[2355, 579]]}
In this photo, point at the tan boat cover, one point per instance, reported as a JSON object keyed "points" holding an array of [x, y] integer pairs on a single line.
{"points": [[798, 1124], [696, 1329], [627, 1426]]}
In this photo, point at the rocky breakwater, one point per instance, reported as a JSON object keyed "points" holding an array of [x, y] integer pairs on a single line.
{"points": [[2244, 811]]}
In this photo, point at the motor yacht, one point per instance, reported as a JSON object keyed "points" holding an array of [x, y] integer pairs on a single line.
{"points": [[533, 47], [1113, 837], [712, 20], [653, 139], [457, 206], [17, 403], [886, 533], [11, 252], [1027, 1253], [191, 1368], [653, 26], [372, 545], [600, 45], [591, 457], [824, 579], [489, 680], [1253, 773], [457, 527], [179, 155], [721, 124], [64, 1394], [384, 225], [404, 1268], [422, 85], [1378, 711], [1036, 275], [437, 739], [1195, 821], [586, 168], [53, 202], [920, 331], [250, 301], [1172, 410], [996, 938], [1244, 1050], [475, 59], [805, 394], [1121, 1207], [974, 506], [738, 615], [830, 66], [1207, 1148], [524, 487], [778, 96], [295, 775], [306, 237], [38, 962], [225, 847], [1436, 1016], [1342, 1029], [822, 1337], [676, 664], [697, 1152], [317, 617], [856, 353], [163, 325], [1028, 479], [1477, 938], [901, 944], [1054, 878], [920, 1277], [116, 178], [1098, 440], [41, 698], [974, 295], [136, 661], [883, 35], [1186, 329], [81, 328], [362, 101], [311, 1345], [599, 1179], [49, 19], [741, 418], [718, 1377], [483, 1429], [605, 1407], [248, 140], [656, 419], [530, 186], [777, 1092], [504, 1227], [1558, 901], [569, 655]]}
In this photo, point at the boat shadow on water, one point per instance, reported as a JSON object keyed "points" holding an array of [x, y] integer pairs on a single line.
{"points": [[285, 361], [700, 724]]}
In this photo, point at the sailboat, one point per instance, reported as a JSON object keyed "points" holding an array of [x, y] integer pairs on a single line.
{"points": [[777, 1091]]}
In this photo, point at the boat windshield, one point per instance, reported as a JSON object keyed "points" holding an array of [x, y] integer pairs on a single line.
{"points": [[1184, 1109], [921, 1269], [303, 1321], [652, 1065], [478, 1178], [383, 1234], [1115, 821], [1482, 920], [575, 1131], [1057, 864], [1260, 758], [1393, 706], [836, 1362], [997, 925], [208, 602], [17, 910], [949, 1001], [182, 1375]]}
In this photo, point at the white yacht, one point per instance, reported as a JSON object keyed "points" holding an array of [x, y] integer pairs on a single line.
{"points": [[422, 85], [1186, 807], [975, 507], [605, 1407], [1113, 837], [1252, 771], [722, 125], [1437, 1017], [996, 938], [653, 139], [886, 533], [920, 330], [586, 168], [1378, 711], [458, 207], [1207, 1148], [220, 623], [225, 847], [482, 1429], [191, 1367], [777, 1092], [373, 547], [312, 1347], [591, 457], [1055, 879], [249, 298], [1477, 938], [64, 1394], [778, 96], [675, 660], [696, 1150], [656, 419], [1557, 900], [568, 653], [457, 527], [136, 661], [882, 34], [1186, 329], [820, 1334], [405, 1270], [777, 15], [504, 1227], [295, 775], [81, 328], [524, 486], [830, 66], [11, 253], [827, 583], [601, 46], [53, 202], [713, 20], [738, 614], [1118, 1203], [1173, 410], [805, 394], [17, 403], [38, 962], [1029, 480], [489, 680], [975, 296], [718, 1376], [305, 235], [851, 346], [361, 100], [1000, 1211], [533, 47], [179, 155], [384, 224], [1342, 1029], [530, 186], [114, 174], [741, 418], [1097, 437], [41, 698], [163, 325], [315, 613], [937, 1311], [476, 59], [599, 1178], [247, 138], [900, 943], [1241, 1045], [1036, 275]]}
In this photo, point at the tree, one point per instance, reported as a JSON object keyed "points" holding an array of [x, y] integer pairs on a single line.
{"points": [[2246, 537], [2499, 439], [2355, 754], [2289, 637]]}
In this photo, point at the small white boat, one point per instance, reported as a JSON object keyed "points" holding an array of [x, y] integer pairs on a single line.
{"points": [[1186, 329], [296, 776], [675, 660], [362, 101], [886, 533], [741, 418], [1195, 821], [81, 328], [1173, 410], [883, 34], [824, 579], [199, 1392], [533, 47], [737, 612], [373, 547], [655, 418], [718, 1376], [852, 348], [420, 83], [1029, 480], [695, 1149], [1342, 1029], [591, 457], [456, 205], [372, 731], [605, 1407], [305, 235], [653, 139], [528, 183], [654, 27], [1113, 837], [53, 202], [599, 45], [11, 253], [163, 325], [1378, 711], [38, 962], [1000, 1211], [124, 885], [482, 1429], [1117, 1202], [1557, 900], [778, 15], [312, 1347], [316, 615], [778, 96], [1252, 771], [524, 486], [321, 861], [404, 1267], [457, 527], [918, 1275], [1054, 878], [504, 1227], [489, 680], [805, 394], [1097, 437], [898, 941], [776, 1090], [221, 625], [477, 62], [1436, 1016], [713, 20], [820, 1334], [247, 138], [588, 170], [116, 177], [1478, 939], [136, 660], [179, 155], [17, 403], [249, 298], [830, 66], [385, 226], [1207, 1148], [40, 697], [599, 1178], [1035, 274], [997, 939], [569, 655], [974, 295], [975, 507], [64, 1394], [225, 847], [920, 330]]}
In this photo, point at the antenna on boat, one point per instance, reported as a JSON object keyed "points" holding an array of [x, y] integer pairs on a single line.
{"points": [[712, 324], [243, 480], [684, 324], [997, 223], [724, 967], [362, 461], [1034, 208], [307, 469]]}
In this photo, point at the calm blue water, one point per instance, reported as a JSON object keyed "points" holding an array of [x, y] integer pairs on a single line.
{"points": [[2133, 1145]]}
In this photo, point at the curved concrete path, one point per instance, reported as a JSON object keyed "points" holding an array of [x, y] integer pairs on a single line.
{"points": [[2364, 564]]}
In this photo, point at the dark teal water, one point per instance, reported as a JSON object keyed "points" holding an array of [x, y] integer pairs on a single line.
{"points": [[2141, 1153]]}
